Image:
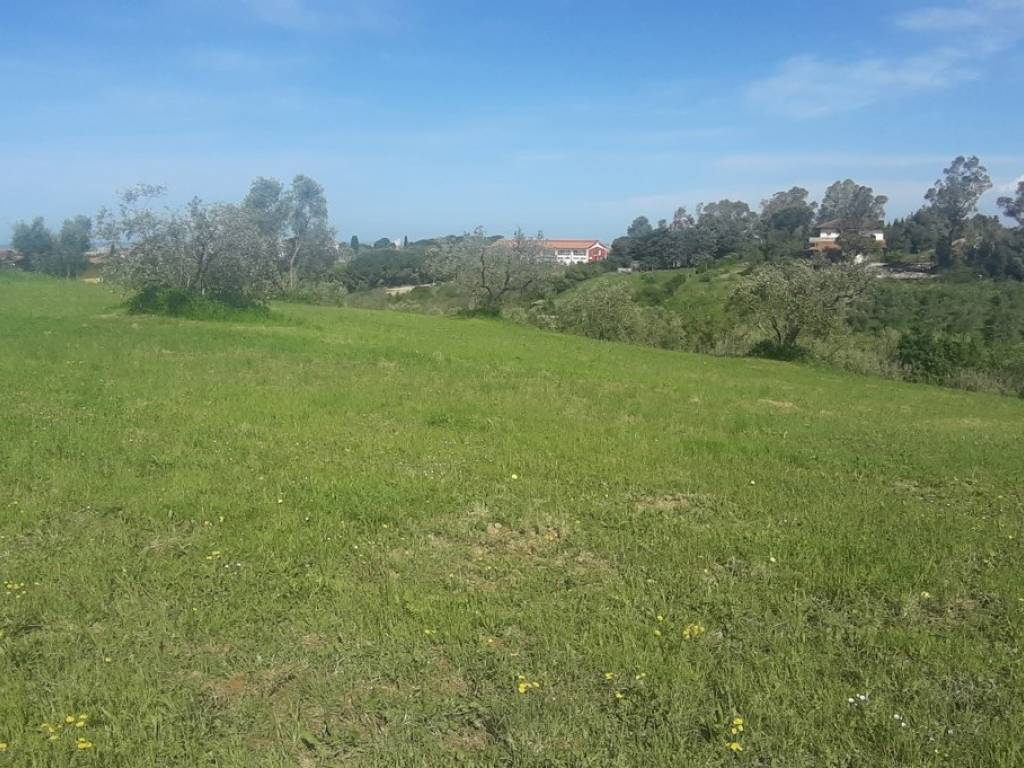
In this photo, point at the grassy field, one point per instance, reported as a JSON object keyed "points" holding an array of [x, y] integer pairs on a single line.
{"points": [[346, 537]]}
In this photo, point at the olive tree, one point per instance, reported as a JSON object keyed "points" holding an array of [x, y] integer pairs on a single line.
{"points": [[213, 250], [793, 300], [492, 270]]}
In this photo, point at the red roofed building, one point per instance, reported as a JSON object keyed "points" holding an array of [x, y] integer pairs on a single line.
{"points": [[576, 251]]}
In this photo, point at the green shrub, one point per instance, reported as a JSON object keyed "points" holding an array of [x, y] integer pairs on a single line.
{"points": [[937, 357], [651, 293], [772, 350], [177, 302]]}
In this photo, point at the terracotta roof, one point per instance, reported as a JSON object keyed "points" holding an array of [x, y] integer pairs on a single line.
{"points": [[572, 243]]}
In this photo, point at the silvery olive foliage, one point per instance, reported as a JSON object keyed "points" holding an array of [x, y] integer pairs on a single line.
{"points": [[493, 270], [215, 250]]}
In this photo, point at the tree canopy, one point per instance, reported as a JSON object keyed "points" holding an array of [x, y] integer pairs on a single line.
{"points": [[788, 212], [852, 205], [218, 251], [954, 197], [796, 299], [33, 241], [492, 271]]}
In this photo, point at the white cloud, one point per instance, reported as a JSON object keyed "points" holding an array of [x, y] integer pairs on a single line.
{"points": [[1011, 186], [806, 86], [973, 13], [970, 33], [846, 162], [941, 18], [790, 161]]}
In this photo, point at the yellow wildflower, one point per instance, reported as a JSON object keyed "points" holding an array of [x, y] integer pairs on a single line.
{"points": [[735, 746], [3, 746], [609, 675], [83, 743], [69, 719], [692, 631], [524, 685], [620, 695]]}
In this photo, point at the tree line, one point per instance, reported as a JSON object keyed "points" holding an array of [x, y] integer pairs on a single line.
{"points": [[946, 229], [62, 254]]}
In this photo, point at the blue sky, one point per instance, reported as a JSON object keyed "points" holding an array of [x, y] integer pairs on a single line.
{"points": [[423, 118]]}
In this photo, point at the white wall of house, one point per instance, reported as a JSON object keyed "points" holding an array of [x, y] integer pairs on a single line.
{"points": [[571, 255]]}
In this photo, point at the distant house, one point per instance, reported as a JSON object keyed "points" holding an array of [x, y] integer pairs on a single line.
{"points": [[9, 257], [575, 251], [98, 256], [829, 233]]}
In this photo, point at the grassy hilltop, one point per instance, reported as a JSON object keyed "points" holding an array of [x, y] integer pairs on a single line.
{"points": [[346, 537]]}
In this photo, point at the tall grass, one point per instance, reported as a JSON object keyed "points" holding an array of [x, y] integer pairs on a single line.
{"points": [[345, 537]]}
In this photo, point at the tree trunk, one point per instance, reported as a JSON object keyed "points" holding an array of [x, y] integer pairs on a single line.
{"points": [[291, 267]]}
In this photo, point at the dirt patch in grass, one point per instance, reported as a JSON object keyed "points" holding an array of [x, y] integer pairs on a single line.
{"points": [[502, 540], [228, 691], [781, 405], [467, 740], [671, 503]]}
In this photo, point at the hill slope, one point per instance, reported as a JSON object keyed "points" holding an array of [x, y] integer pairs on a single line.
{"points": [[358, 536]]}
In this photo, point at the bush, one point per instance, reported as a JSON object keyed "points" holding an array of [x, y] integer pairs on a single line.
{"points": [[324, 293], [772, 350], [653, 294], [937, 358], [607, 311], [178, 302]]}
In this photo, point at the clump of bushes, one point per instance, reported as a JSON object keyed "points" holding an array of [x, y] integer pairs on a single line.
{"points": [[653, 293], [936, 357], [180, 302], [773, 350], [607, 311]]}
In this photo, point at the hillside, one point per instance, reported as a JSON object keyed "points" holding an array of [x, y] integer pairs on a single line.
{"points": [[956, 330], [341, 536]]}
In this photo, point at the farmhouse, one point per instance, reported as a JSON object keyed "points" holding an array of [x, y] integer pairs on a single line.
{"points": [[829, 233], [575, 251], [9, 258]]}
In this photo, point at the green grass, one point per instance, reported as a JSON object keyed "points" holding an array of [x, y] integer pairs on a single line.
{"points": [[337, 537]]}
